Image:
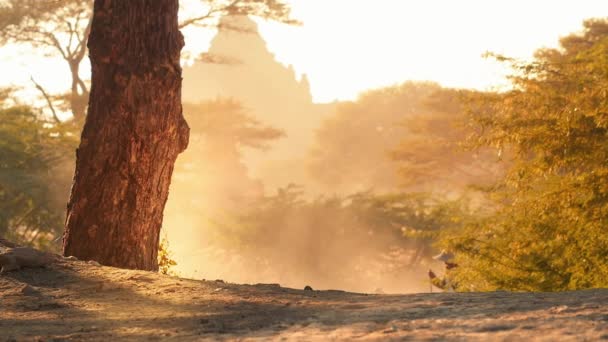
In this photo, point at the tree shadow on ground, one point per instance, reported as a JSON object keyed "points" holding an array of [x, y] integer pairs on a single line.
{"points": [[79, 301]]}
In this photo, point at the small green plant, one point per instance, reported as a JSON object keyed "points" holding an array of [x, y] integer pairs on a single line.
{"points": [[165, 261]]}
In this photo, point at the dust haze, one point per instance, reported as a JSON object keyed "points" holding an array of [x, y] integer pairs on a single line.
{"points": [[274, 188]]}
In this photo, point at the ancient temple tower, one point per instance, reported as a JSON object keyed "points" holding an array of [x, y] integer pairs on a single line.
{"points": [[240, 66]]}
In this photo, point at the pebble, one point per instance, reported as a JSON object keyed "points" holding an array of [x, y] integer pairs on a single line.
{"points": [[28, 291]]}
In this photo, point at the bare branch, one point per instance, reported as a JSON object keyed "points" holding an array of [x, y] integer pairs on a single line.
{"points": [[81, 48], [212, 11], [55, 43], [70, 38], [47, 98], [196, 20]]}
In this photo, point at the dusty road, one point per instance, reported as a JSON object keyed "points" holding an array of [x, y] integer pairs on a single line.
{"points": [[74, 300]]}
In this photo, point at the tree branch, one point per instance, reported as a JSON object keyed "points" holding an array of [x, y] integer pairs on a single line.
{"points": [[195, 20], [48, 99], [81, 48], [56, 44], [70, 38]]}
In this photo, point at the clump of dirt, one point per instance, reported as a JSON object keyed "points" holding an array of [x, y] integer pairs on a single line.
{"points": [[77, 300]]}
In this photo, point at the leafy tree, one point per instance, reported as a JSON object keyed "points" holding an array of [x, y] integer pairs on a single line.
{"points": [[357, 140], [431, 155], [224, 124], [220, 131], [403, 137], [547, 229], [61, 28], [277, 10], [31, 151], [54, 28]]}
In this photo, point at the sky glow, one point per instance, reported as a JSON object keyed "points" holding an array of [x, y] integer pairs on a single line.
{"points": [[348, 46]]}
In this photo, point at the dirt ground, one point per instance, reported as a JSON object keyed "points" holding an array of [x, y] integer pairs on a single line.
{"points": [[75, 300]]}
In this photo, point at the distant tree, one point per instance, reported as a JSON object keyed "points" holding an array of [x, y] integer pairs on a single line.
{"points": [[56, 27], [399, 138], [352, 147], [132, 134], [547, 231], [224, 124], [220, 132], [277, 10], [431, 156], [61, 28]]}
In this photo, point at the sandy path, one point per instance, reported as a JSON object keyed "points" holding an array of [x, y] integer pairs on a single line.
{"points": [[74, 300]]}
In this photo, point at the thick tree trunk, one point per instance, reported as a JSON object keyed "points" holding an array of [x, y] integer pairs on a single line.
{"points": [[132, 135]]}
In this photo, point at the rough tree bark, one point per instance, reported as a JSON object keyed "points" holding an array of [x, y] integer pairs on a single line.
{"points": [[132, 135]]}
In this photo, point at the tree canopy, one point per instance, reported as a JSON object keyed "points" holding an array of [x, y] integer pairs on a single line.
{"points": [[548, 229], [399, 138], [60, 28], [431, 156], [53, 28], [213, 164], [31, 181], [358, 138]]}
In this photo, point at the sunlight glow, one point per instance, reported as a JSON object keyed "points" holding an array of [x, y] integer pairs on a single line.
{"points": [[348, 46]]}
